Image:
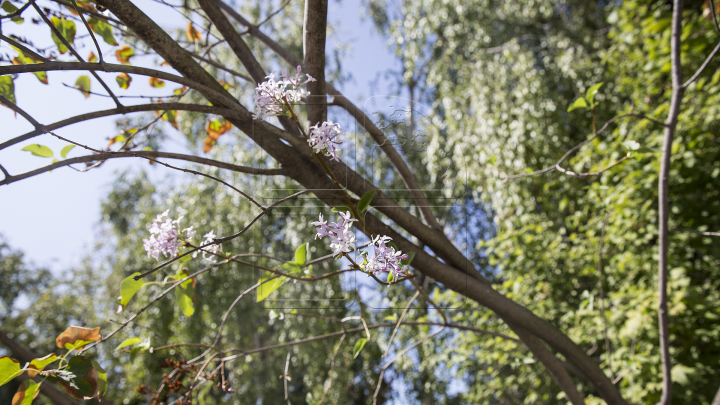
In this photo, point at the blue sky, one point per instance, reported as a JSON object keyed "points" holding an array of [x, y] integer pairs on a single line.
{"points": [[54, 217]]}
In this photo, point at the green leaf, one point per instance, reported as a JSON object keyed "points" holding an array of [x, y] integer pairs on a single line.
{"points": [[27, 391], [9, 7], [81, 378], [83, 84], [103, 29], [579, 103], [41, 363], [9, 369], [185, 258], [102, 379], [267, 288], [66, 29], [680, 373], [358, 347], [591, 92], [292, 268], [123, 80], [301, 254], [39, 150], [341, 208], [128, 342], [411, 256], [390, 277], [186, 295], [364, 202], [65, 150], [128, 287], [7, 88]]}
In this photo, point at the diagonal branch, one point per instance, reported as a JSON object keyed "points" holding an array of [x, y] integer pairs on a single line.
{"points": [[378, 136], [23, 48], [12, 106]]}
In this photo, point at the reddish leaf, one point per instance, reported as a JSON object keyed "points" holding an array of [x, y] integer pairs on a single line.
{"points": [[123, 80], [124, 54], [92, 58], [192, 33], [155, 82]]}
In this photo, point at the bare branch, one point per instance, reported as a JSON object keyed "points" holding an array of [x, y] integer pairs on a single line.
{"points": [[397, 326], [314, 37], [23, 48], [663, 205], [703, 66], [20, 111]]}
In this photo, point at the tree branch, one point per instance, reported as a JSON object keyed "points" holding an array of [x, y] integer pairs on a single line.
{"points": [[314, 37], [663, 204], [143, 154]]}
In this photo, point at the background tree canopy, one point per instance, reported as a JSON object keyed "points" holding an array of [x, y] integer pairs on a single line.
{"points": [[489, 98]]}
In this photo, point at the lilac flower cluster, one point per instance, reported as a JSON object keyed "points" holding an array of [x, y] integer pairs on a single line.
{"points": [[165, 237], [385, 258], [323, 138], [342, 240], [212, 249], [271, 95]]}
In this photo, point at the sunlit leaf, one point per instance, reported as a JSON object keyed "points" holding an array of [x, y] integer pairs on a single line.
{"points": [[591, 92], [171, 118], [124, 54], [7, 88], [155, 82], [301, 254], [579, 103], [66, 150], [364, 202], [341, 208], [123, 80], [92, 58], [83, 84], [192, 33], [41, 363], [128, 287], [185, 301], [103, 29], [9, 369], [23, 59], [39, 150], [76, 333], [358, 347], [128, 342], [27, 391], [291, 268], [67, 30], [267, 288]]}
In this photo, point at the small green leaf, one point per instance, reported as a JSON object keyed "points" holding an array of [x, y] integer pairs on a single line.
{"points": [[9, 7], [291, 268], [579, 103], [102, 379], [9, 369], [83, 84], [27, 391], [186, 296], [128, 287], [391, 277], [123, 80], [267, 288], [66, 29], [65, 150], [103, 29], [81, 379], [7, 88], [364, 202], [41, 363], [592, 91], [128, 342], [680, 373], [185, 259], [411, 256], [301, 254], [358, 347], [341, 208], [39, 150]]}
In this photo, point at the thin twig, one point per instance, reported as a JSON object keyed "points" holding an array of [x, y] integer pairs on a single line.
{"points": [[90, 31], [602, 296], [399, 322]]}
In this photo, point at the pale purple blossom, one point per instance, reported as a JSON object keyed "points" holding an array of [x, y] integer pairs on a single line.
{"points": [[385, 258], [342, 240], [209, 251], [165, 236], [270, 95], [323, 138]]}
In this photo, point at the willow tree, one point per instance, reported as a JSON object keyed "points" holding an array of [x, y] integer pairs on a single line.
{"points": [[296, 159]]}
